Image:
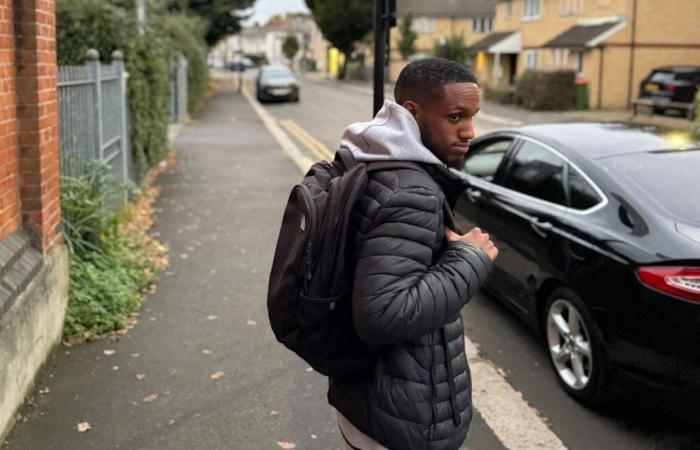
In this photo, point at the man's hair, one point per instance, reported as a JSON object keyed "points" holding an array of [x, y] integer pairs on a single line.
{"points": [[425, 78]]}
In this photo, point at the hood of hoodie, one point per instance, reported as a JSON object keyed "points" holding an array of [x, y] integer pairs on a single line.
{"points": [[392, 135]]}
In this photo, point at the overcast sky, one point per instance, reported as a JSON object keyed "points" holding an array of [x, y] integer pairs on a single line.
{"points": [[263, 9]]}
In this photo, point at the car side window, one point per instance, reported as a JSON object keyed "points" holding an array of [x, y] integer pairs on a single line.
{"points": [[537, 172], [483, 161], [583, 195]]}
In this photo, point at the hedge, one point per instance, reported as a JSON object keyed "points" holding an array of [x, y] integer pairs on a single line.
{"points": [[546, 91], [500, 94]]}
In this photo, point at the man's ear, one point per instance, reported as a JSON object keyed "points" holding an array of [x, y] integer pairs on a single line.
{"points": [[411, 106]]}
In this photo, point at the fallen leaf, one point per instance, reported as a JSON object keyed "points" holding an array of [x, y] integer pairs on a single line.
{"points": [[309, 369], [115, 368], [313, 436], [140, 376], [212, 317], [184, 256], [252, 323], [150, 398], [287, 445], [274, 413], [501, 372], [216, 375], [206, 352], [83, 427], [109, 352]]}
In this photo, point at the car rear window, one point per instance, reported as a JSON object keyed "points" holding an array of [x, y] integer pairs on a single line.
{"points": [[668, 180], [662, 77]]}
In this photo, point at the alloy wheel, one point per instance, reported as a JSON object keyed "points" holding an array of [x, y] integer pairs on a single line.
{"points": [[569, 344]]}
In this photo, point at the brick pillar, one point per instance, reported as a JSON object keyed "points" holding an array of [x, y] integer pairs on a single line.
{"points": [[9, 181], [37, 114]]}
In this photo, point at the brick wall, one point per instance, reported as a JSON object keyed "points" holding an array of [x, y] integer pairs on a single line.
{"points": [[29, 158], [9, 180]]}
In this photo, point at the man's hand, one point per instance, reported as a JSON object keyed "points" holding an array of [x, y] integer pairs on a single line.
{"points": [[477, 237]]}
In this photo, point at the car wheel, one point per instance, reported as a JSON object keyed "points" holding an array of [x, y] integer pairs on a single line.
{"points": [[295, 99], [575, 348]]}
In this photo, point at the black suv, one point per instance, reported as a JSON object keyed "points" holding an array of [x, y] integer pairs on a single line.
{"points": [[671, 88]]}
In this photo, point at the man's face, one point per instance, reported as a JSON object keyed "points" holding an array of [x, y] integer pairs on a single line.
{"points": [[446, 122]]}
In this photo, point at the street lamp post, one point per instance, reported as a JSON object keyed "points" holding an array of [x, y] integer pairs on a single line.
{"points": [[141, 16], [384, 20]]}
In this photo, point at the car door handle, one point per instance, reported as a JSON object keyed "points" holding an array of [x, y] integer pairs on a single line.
{"points": [[473, 194], [540, 227]]}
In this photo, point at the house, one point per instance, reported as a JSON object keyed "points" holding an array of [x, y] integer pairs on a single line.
{"points": [[33, 258], [611, 44], [267, 40], [437, 20]]}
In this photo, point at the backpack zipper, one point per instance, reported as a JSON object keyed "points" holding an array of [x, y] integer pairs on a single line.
{"points": [[307, 267], [434, 390]]}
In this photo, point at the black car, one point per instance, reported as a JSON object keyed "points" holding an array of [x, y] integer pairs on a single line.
{"points": [[598, 227], [671, 88], [276, 82]]}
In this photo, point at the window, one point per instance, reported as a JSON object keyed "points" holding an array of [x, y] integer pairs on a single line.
{"points": [[482, 24], [537, 172], [570, 7], [583, 196], [532, 9], [579, 62], [531, 59], [509, 9], [423, 25], [486, 158], [560, 57]]}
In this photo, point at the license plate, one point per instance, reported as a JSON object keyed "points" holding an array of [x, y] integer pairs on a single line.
{"points": [[280, 92], [651, 87]]}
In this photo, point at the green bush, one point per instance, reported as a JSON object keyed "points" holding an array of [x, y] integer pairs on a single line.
{"points": [[85, 24], [546, 91], [108, 270], [149, 97], [184, 34], [500, 94], [109, 25], [452, 48]]}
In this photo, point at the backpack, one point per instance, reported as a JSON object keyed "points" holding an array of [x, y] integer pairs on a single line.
{"points": [[310, 287]]}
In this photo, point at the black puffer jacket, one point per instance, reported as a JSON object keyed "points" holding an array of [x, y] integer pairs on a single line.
{"points": [[410, 285]]}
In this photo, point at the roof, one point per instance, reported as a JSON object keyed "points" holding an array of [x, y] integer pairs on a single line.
{"points": [[491, 39], [447, 8], [582, 36], [601, 140]]}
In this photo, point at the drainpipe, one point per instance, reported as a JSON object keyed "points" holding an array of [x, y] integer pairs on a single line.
{"points": [[600, 76], [633, 43]]}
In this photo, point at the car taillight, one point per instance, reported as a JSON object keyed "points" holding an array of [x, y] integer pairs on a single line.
{"points": [[683, 282]]}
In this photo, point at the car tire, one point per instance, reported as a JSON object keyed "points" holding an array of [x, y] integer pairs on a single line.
{"points": [[295, 99], [578, 357]]}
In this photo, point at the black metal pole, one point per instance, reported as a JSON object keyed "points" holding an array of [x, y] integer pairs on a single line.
{"points": [[379, 46]]}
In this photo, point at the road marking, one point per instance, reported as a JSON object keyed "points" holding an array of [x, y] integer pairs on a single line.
{"points": [[288, 146], [514, 422], [316, 147], [500, 120]]}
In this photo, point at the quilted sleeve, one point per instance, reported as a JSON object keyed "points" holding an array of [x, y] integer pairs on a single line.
{"points": [[398, 295]]}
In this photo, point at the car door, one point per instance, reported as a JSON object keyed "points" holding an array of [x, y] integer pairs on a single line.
{"points": [[474, 208], [529, 202]]}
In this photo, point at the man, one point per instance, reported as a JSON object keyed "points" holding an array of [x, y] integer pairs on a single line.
{"points": [[414, 272]]}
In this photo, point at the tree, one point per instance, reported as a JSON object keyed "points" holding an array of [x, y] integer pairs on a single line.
{"points": [[222, 16], [343, 23], [290, 46], [408, 38], [452, 48]]}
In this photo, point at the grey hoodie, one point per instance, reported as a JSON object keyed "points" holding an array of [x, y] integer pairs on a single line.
{"points": [[392, 135]]}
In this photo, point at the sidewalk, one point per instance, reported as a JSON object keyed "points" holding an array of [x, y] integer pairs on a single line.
{"points": [[220, 212], [511, 115]]}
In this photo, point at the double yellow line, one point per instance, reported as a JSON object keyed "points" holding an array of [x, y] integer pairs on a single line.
{"points": [[318, 149]]}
